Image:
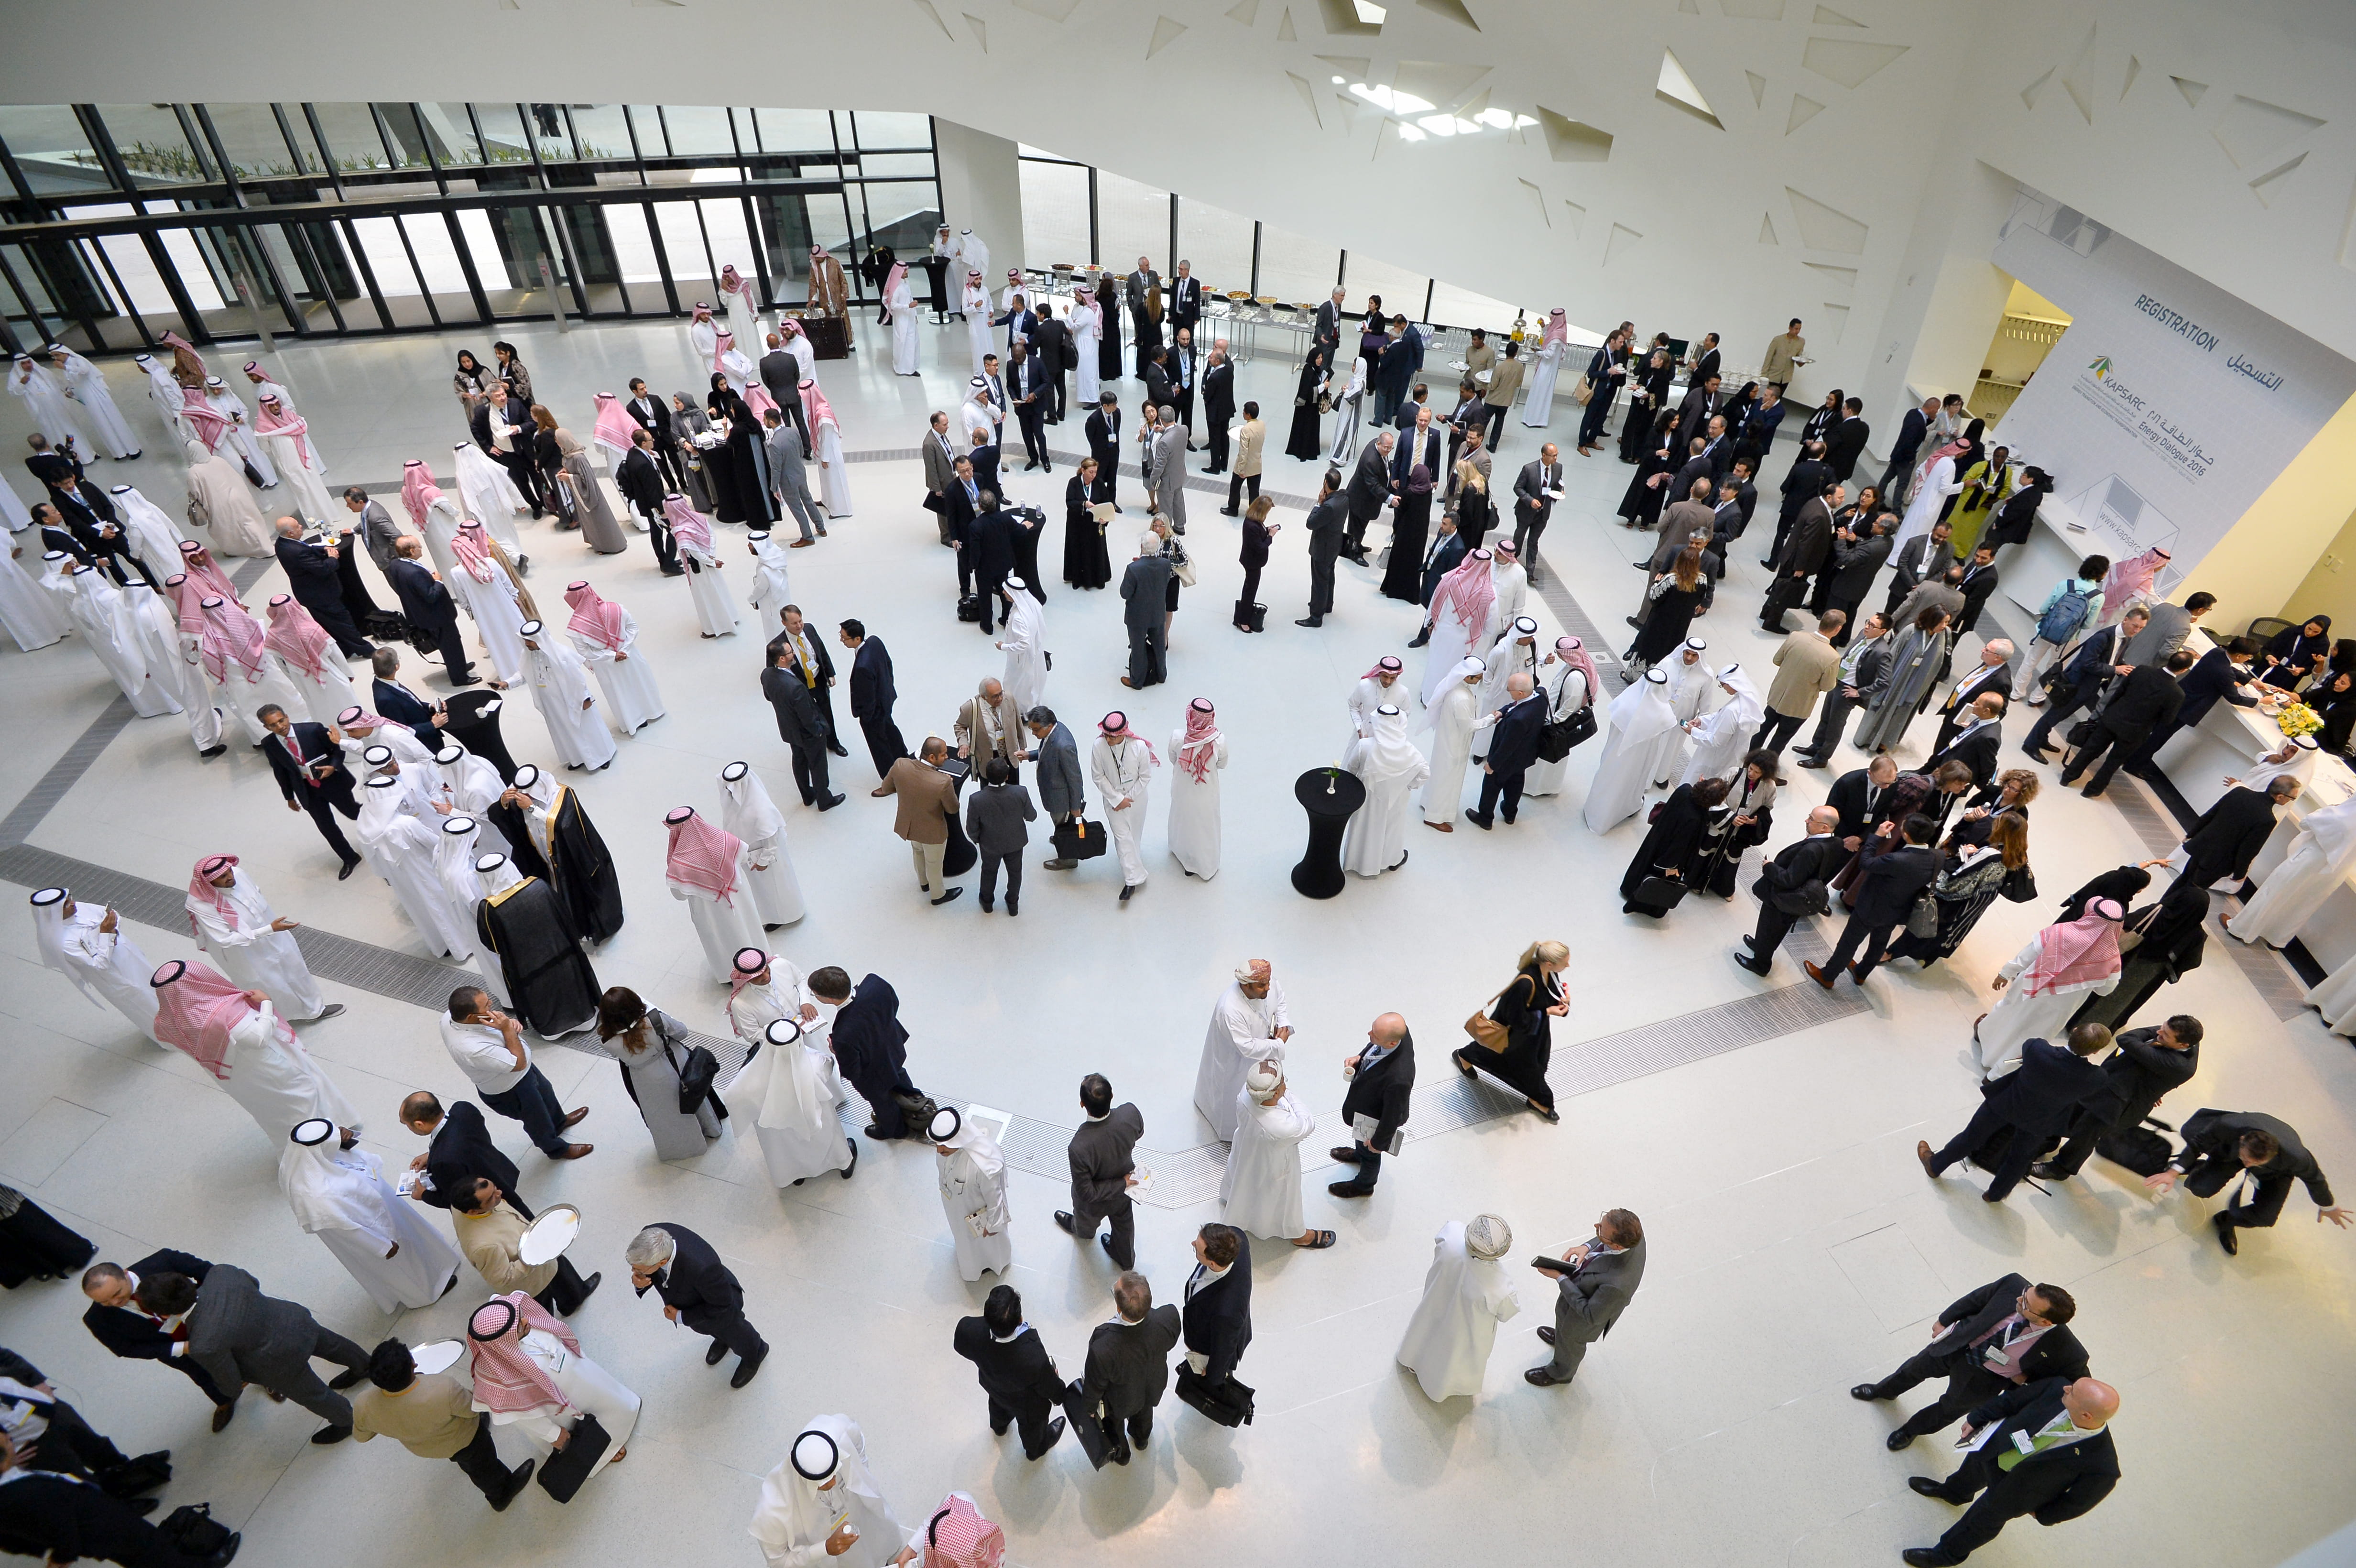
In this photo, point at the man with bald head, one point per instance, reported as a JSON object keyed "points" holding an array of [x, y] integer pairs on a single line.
{"points": [[1992, 675], [1792, 887], [1382, 1076], [314, 574], [1249, 1026], [1513, 748], [2043, 1449]]}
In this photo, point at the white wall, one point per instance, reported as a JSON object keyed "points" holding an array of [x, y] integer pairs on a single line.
{"points": [[981, 189]]}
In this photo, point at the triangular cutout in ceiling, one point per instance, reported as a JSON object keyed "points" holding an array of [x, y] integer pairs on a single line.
{"points": [[1827, 17], [1767, 230], [1453, 10], [1677, 88], [2264, 187], [1803, 111], [1758, 88], [2134, 68], [2029, 94], [1622, 240], [2193, 91]]}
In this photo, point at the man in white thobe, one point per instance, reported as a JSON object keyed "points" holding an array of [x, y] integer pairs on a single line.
{"points": [[1261, 1189], [1390, 767], [1641, 721], [338, 1194], [1374, 687], [1026, 647], [1722, 738], [771, 583], [1452, 722], [252, 1052], [1465, 1296], [764, 989], [1122, 764], [567, 702], [232, 407], [86, 385], [820, 1506], [1249, 1025], [253, 945], [1694, 684], [793, 1084], [2293, 892], [1515, 651], [87, 947]]}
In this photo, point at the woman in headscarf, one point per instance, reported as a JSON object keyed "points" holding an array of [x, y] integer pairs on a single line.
{"points": [[1970, 877], [1899, 695], [2299, 652], [695, 455], [2055, 969], [235, 523], [974, 1193], [1675, 595], [713, 613], [1526, 1009], [591, 512], [1466, 1294], [2163, 942], [1084, 321], [309, 657], [1199, 752], [1744, 817], [1648, 395], [1554, 343], [1987, 485], [469, 382], [1306, 441], [606, 639], [1410, 525], [1672, 843], [1575, 686], [1087, 563], [738, 467], [653, 1048], [826, 445], [1348, 405], [509, 369], [1390, 767], [529, 1375], [1822, 420], [1648, 487]]}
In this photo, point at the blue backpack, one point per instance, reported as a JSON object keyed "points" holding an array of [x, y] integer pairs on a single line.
{"points": [[2061, 621]]}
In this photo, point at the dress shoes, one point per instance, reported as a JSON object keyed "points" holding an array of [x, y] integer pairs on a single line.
{"points": [[801, 544], [519, 1479], [1347, 1154], [350, 1377], [1927, 1557], [1127, 889], [746, 1369], [851, 1144], [947, 896], [1312, 622], [1485, 824], [588, 1288], [1348, 1189], [1816, 973], [716, 1354], [1065, 1222], [1741, 958], [350, 867], [1931, 1488], [576, 1151], [1055, 1436], [333, 1009], [212, 751], [221, 1414], [1546, 1332], [2226, 1237], [571, 1117], [830, 801], [1542, 1377], [326, 1434], [1922, 1153], [1105, 1241], [1902, 1438], [1863, 1391]]}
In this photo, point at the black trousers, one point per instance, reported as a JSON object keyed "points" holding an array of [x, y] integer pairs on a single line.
{"points": [[666, 458], [1777, 732], [323, 803], [1832, 718], [1501, 787], [2072, 699], [666, 547], [734, 1330], [990, 864], [533, 1103], [1984, 1124], [1032, 419], [1497, 423], [1121, 1220], [482, 1464], [1148, 654], [1597, 414], [1768, 934], [201, 1377], [2107, 745], [566, 1291], [810, 769], [1238, 485], [336, 622], [1139, 1425], [1321, 577], [990, 586], [1250, 594], [1848, 607], [1529, 522], [526, 475], [884, 745], [1054, 398], [70, 1447], [1218, 442], [1862, 941], [452, 641], [1032, 1418], [2265, 1206], [1107, 473]]}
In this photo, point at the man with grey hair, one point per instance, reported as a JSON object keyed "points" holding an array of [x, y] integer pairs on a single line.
{"points": [[698, 1292], [1249, 1025], [988, 725], [1992, 676], [1058, 776], [1167, 461], [1369, 491]]}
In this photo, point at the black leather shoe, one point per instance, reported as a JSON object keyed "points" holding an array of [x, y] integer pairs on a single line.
{"points": [[1540, 1377], [830, 803], [852, 1143], [1931, 1488], [1105, 1241], [1347, 1154], [746, 1368], [717, 1354], [350, 867], [1313, 621], [1064, 1222], [1900, 1438], [2226, 1237], [1546, 1332], [588, 1288], [1055, 1436], [1347, 1189], [326, 1434], [1927, 1557], [951, 893], [517, 1481], [1863, 1391]]}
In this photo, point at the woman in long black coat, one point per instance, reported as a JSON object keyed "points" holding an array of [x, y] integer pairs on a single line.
{"points": [[1526, 1009], [1641, 503], [1305, 440], [1679, 594], [1410, 525], [1636, 428], [1087, 564], [1670, 847]]}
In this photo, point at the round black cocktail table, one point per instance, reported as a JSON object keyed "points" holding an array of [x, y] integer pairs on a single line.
{"points": [[1330, 797]]}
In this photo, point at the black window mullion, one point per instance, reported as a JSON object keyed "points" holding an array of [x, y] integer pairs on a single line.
{"points": [[101, 142], [416, 273], [106, 263], [301, 235], [196, 141], [367, 272], [662, 257], [32, 311], [327, 153]]}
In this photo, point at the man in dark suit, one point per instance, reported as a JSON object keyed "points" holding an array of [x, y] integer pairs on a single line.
{"points": [[458, 1152], [1185, 300], [1218, 1319], [1103, 431], [389, 698], [1792, 887], [2141, 701], [1156, 376], [2049, 1454], [1051, 344], [239, 1335], [2224, 673], [1128, 1365], [2220, 1145], [781, 373], [56, 536], [1593, 1283], [1860, 796], [872, 695], [1103, 1170], [1857, 552], [1804, 543], [1327, 520], [380, 535], [654, 417], [1513, 748], [2083, 675], [2148, 1063], [698, 1292], [1370, 486], [1756, 433], [313, 574], [1974, 743], [1058, 773], [1014, 1369], [1702, 400], [1185, 369], [794, 629], [2006, 1333], [308, 764], [425, 603], [996, 548], [1922, 559], [1980, 582], [116, 1321], [1145, 615], [1026, 388], [1218, 402], [2224, 840], [50, 464], [92, 521], [1890, 874], [964, 507], [1809, 479], [46, 1514], [1536, 489], [1447, 553], [502, 428], [2035, 1101], [1991, 678], [1325, 332], [800, 724], [1845, 443], [641, 482], [1375, 1107], [1903, 451]]}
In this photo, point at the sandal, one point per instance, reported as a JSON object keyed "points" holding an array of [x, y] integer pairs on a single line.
{"points": [[1317, 1242]]}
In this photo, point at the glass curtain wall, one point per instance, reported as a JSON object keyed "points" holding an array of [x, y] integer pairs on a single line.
{"points": [[121, 222]]}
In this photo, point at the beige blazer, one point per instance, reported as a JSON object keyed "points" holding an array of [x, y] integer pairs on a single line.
{"points": [[1249, 436], [971, 735], [1504, 382], [926, 796], [432, 1418], [1807, 666], [490, 1242]]}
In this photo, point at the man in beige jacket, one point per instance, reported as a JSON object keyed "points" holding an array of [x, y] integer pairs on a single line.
{"points": [[928, 801], [1807, 666], [1505, 381], [1782, 358], [433, 1417], [490, 1232], [1250, 436], [988, 725]]}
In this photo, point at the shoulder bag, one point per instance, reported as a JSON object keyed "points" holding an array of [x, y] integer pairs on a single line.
{"points": [[1584, 393], [2019, 885], [1922, 920], [696, 1076], [200, 516], [562, 1473]]}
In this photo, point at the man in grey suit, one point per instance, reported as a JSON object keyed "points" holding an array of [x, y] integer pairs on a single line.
{"points": [[239, 1335], [1170, 470], [377, 529], [1682, 522], [1058, 756], [786, 453], [1145, 590], [1103, 1170], [1326, 520], [940, 472], [2166, 631], [1592, 1284]]}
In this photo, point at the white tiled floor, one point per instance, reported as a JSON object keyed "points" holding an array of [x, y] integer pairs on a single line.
{"points": [[1796, 1247]]}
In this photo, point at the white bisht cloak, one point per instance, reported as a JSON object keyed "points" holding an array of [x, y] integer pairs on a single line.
{"points": [[1641, 719], [1465, 1299], [1243, 1031], [1569, 694], [32, 614], [2319, 861], [404, 853], [453, 863], [489, 496], [340, 1197], [1452, 721], [275, 1079], [1261, 1187], [793, 1089], [86, 386]]}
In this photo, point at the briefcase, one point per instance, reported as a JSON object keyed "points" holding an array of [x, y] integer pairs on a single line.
{"points": [[560, 1474], [1252, 615], [1658, 895], [2140, 1149], [968, 607], [1230, 1405], [1080, 1415], [1078, 840]]}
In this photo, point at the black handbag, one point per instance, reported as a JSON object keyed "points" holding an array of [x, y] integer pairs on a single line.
{"points": [[2019, 885], [1656, 896], [192, 1527], [968, 607], [1556, 740], [1078, 840], [2140, 1149], [696, 1078], [916, 1108], [254, 475], [562, 1473], [1080, 1415], [1229, 1405]]}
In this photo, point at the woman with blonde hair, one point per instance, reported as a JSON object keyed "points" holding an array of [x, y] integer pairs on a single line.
{"points": [[1968, 881], [1518, 1041]]}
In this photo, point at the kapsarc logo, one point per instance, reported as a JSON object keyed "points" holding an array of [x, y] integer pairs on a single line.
{"points": [[2101, 365]]}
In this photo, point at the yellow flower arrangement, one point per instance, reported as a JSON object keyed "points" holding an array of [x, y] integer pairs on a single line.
{"points": [[2297, 718]]}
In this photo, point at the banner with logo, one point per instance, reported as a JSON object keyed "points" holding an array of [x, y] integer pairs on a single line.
{"points": [[2168, 406]]}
